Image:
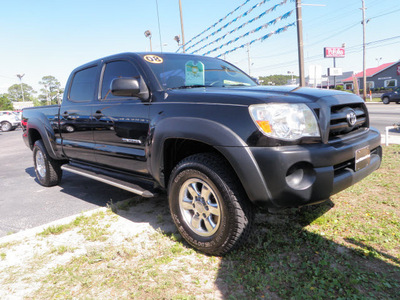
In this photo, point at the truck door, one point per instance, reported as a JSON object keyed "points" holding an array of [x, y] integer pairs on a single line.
{"points": [[396, 94], [121, 124], [75, 115]]}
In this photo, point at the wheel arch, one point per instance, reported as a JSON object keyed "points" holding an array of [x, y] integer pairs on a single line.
{"points": [[177, 138], [42, 130]]}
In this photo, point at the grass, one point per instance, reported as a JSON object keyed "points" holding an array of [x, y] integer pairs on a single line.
{"points": [[373, 99], [350, 250], [88, 226], [346, 248]]}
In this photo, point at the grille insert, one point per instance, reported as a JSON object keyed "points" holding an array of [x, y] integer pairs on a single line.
{"points": [[342, 117]]}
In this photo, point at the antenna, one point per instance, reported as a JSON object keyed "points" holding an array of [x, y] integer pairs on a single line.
{"points": [[159, 27]]}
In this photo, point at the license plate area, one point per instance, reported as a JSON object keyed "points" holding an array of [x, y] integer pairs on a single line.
{"points": [[363, 158]]}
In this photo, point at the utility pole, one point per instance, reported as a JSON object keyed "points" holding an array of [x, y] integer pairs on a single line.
{"points": [[300, 43], [183, 34], [364, 68], [20, 82]]}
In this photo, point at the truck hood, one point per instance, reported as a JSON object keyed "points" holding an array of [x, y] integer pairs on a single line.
{"points": [[257, 95]]}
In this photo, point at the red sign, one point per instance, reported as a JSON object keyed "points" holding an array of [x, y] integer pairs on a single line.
{"points": [[333, 52]]}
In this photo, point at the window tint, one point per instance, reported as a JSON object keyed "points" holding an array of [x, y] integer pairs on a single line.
{"points": [[83, 85], [116, 69]]}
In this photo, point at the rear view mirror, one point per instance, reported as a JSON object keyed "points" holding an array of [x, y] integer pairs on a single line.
{"points": [[129, 87]]}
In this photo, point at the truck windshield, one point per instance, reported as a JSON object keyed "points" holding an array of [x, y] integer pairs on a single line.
{"points": [[176, 71]]}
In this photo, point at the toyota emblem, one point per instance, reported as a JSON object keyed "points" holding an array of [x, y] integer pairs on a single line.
{"points": [[351, 118]]}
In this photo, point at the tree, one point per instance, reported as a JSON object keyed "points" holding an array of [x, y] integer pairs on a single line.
{"points": [[5, 103], [51, 93], [276, 79], [15, 92]]}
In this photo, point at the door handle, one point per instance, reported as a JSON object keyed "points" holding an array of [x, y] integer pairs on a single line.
{"points": [[98, 114]]}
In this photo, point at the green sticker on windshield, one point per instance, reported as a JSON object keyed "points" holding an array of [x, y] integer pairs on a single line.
{"points": [[194, 73]]}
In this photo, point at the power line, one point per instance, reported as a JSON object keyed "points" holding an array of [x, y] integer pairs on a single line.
{"points": [[219, 21], [264, 26], [246, 13], [237, 28], [391, 12], [278, 31], [7, 77], [349, 50]]}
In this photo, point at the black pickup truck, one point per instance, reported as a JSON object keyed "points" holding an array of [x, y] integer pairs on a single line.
{"points": [[205, 132]]}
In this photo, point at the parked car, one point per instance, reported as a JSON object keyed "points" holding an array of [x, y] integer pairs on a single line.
{"points": [[393, 96], [9, 120]]}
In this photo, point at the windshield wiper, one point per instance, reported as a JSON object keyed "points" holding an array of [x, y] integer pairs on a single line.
{"points": [[237, 84], [190, 86]]}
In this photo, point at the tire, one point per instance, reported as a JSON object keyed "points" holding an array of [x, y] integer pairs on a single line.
{"points": [[208, 205], [48, 171], [69, 128], [6, 126], [385, 100]]}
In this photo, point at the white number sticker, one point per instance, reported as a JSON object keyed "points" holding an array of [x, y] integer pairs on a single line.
{"points": [[154, 59]]}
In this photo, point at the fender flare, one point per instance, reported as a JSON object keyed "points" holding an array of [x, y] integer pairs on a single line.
{"points": [[218, 136], [42, 125]]}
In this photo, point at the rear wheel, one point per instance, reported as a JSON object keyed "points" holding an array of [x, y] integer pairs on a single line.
{"points": [[208, 205], [385, 100], [48, 171], [6, 126]]}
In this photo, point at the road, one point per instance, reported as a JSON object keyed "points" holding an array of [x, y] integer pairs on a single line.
{"points": [[25, 204], [382, 115]]}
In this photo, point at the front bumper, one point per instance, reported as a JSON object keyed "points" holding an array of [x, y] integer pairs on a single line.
{"points": [[305, 174]]}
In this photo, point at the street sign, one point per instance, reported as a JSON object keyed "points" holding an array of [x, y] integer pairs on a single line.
{"points": [[334, 52], [314, 75], [335, 71]]}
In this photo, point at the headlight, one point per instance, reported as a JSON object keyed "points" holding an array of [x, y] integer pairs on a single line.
{"points": [[285, 121]]}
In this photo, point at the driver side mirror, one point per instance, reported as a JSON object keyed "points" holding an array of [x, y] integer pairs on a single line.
{"points": [[129, 87]]}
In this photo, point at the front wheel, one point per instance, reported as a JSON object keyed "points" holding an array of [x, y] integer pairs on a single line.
{"points": [[208, 205], [385, 100], [6, 126], [48, 171]]}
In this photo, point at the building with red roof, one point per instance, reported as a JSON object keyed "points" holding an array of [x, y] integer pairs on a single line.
{"points": [[384, 76]]}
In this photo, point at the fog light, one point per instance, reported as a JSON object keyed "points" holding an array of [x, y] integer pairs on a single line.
{"points": [[300, 176]]}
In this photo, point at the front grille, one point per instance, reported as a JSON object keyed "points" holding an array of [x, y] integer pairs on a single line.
{"points": [[340, 122]]}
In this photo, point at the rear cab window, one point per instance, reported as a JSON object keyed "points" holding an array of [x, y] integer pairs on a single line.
{"points": [[83, 85]]}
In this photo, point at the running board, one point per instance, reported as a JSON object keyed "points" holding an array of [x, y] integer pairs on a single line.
{"points": [[128, 186]]}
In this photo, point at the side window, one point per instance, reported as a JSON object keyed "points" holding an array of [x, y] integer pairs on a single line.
{"points": [[116, 69], [83, 85]]}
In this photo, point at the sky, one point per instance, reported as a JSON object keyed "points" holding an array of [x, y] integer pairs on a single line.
{"points": [[52, 37]]}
